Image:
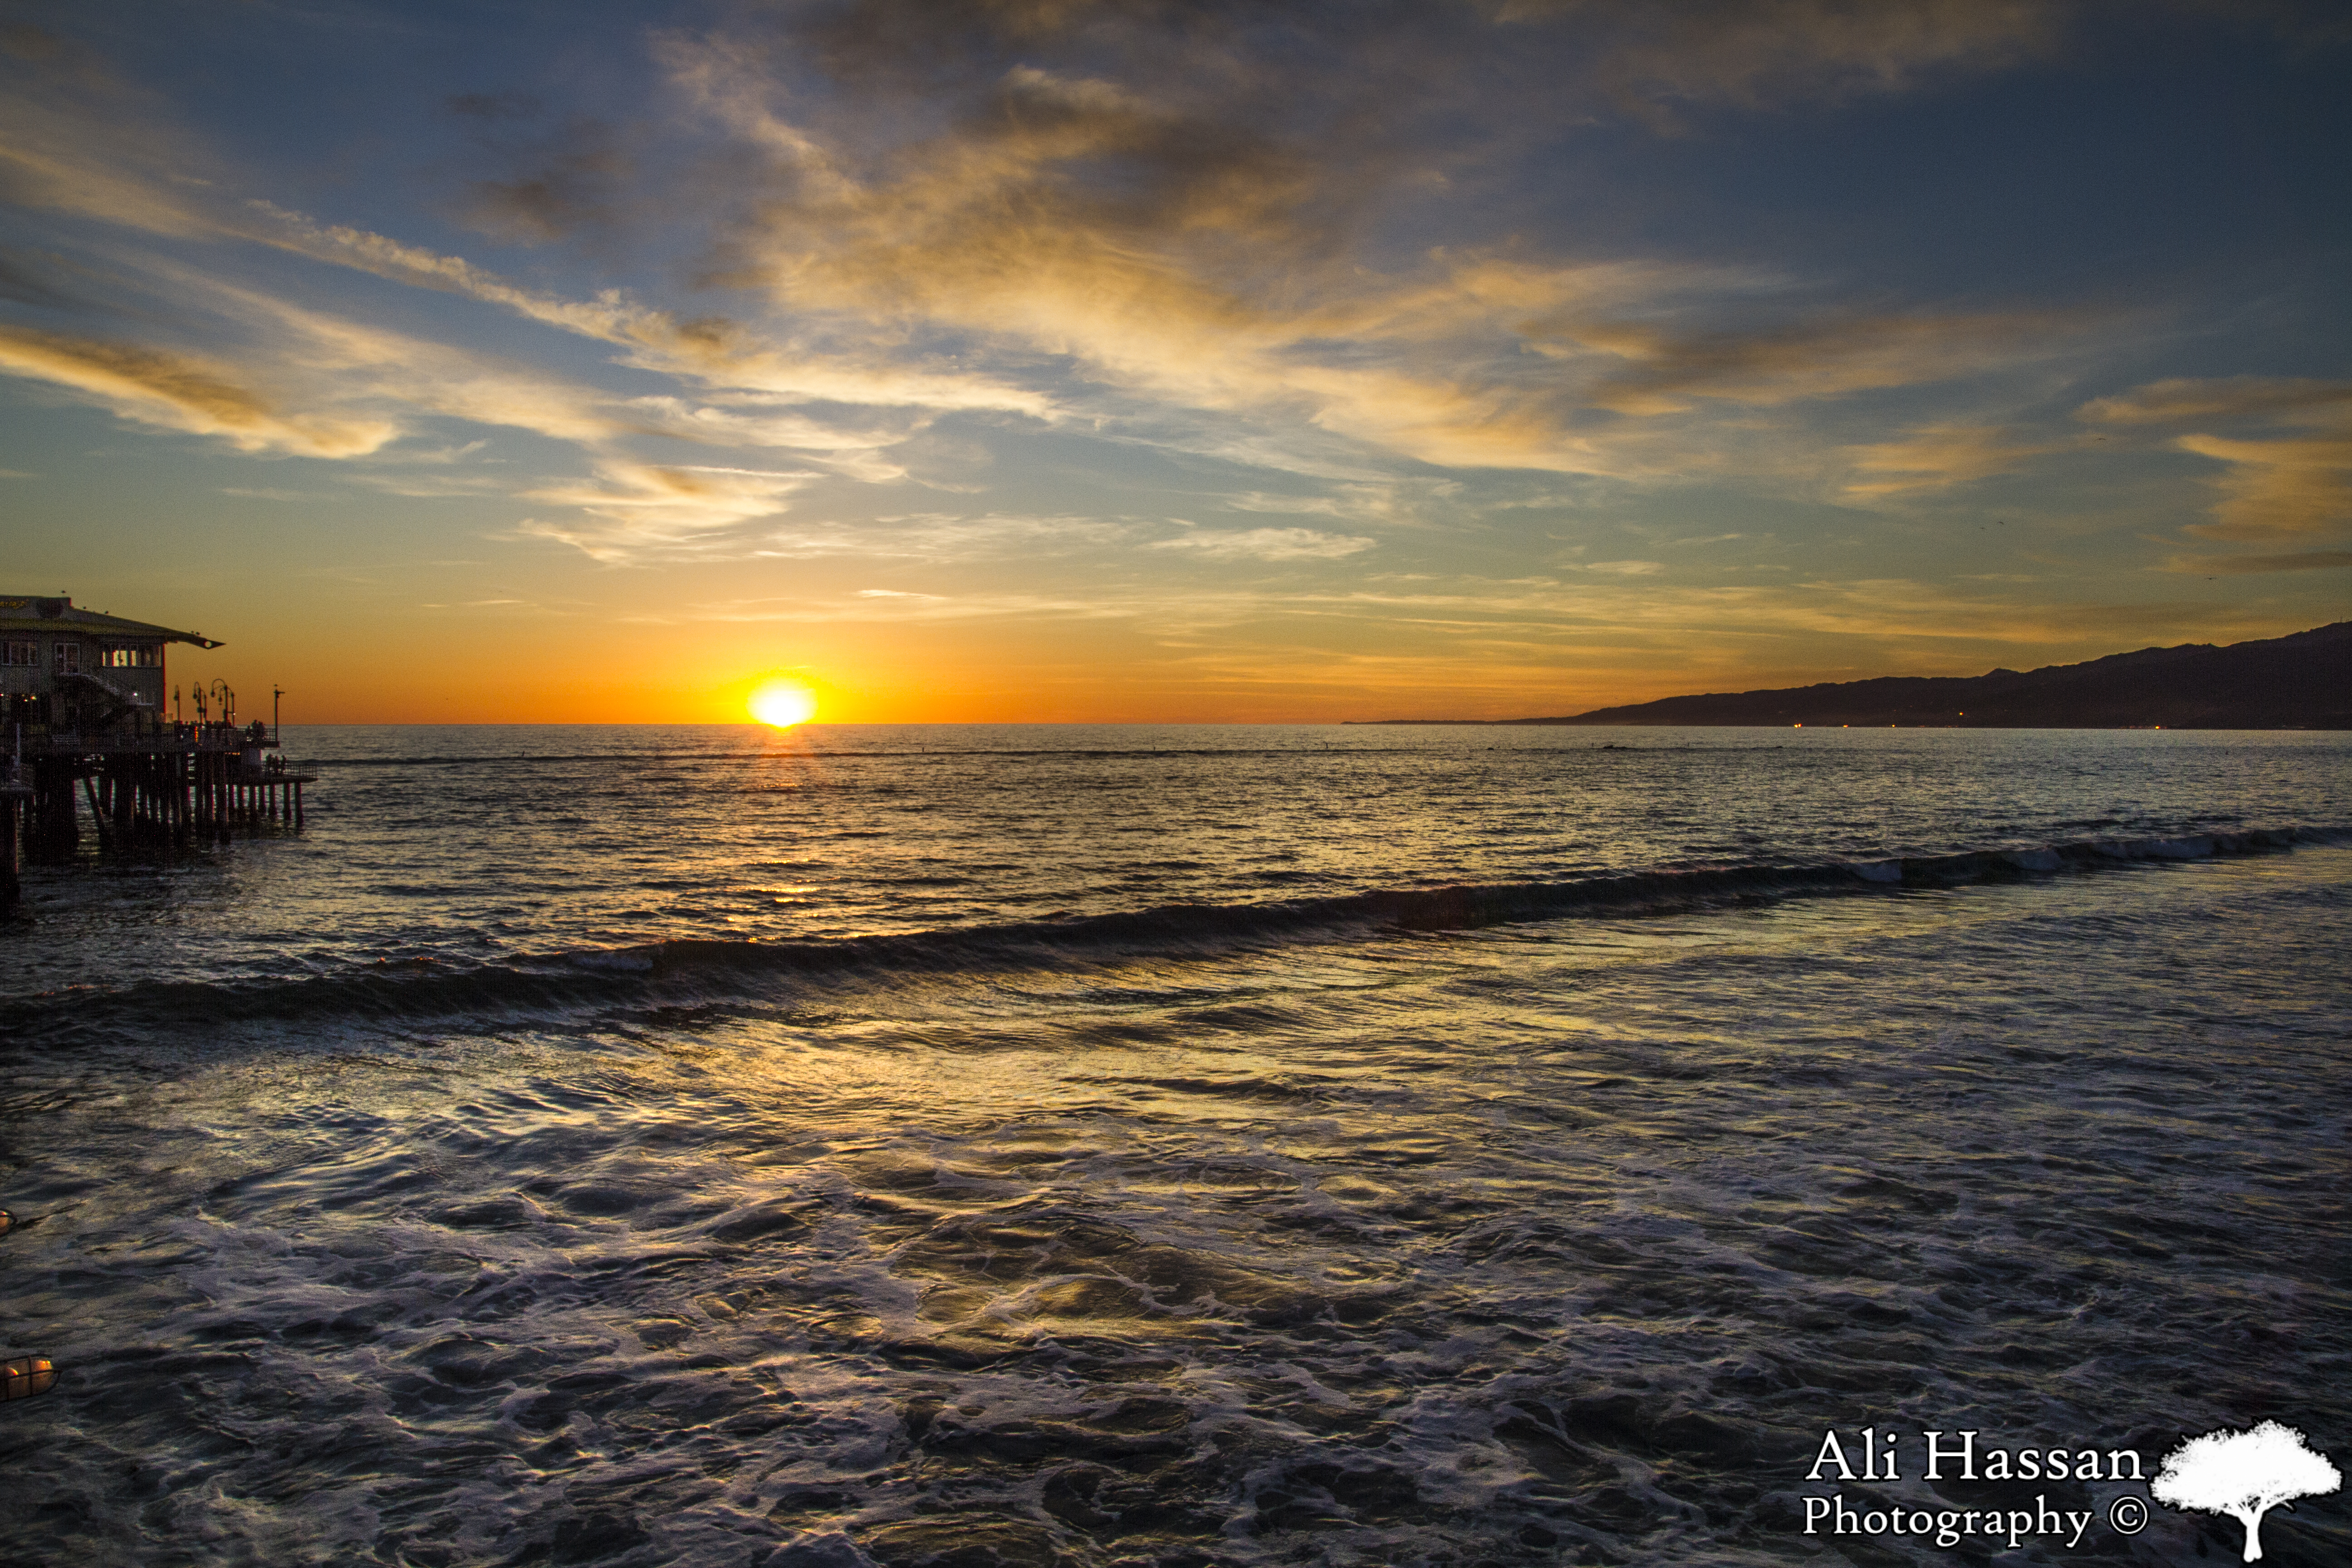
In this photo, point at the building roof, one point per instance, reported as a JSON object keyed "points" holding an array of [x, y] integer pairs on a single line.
{"points": [[43, 613]]}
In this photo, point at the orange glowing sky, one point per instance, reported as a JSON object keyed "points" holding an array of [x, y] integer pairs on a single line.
{"points": [[1169, 361]]}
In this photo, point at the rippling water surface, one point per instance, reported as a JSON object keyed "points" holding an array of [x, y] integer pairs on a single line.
{"points": [[1180, 1146]]}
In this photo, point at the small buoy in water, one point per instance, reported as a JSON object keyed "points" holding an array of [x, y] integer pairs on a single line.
{"points": [[7, 1222], [23, 1377]]}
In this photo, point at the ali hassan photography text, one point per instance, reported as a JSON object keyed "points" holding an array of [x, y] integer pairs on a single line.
{"points": [[1167, 784]]}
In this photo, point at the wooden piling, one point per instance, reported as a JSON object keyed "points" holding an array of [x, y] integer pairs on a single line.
{"points": [[11, 888], [97, 812], [166, 790]]}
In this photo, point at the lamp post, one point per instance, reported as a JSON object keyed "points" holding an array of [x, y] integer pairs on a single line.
{"points": [[277, 694]]}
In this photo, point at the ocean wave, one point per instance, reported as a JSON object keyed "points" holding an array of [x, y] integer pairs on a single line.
{"points": [[699, 970], [861, 754]]}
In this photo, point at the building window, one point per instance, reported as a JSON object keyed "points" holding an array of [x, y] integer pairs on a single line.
{"points": [[65, 657], [20, 654], [133, 657]]}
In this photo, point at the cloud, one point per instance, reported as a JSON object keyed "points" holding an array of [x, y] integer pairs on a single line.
{"points": [[1936, 457], [948, 536], [440, 486], [356, 381], [2223, 398], [849, 448], [1395, 500], [715, 352], [1165, 237], [869, 604], [573, 183], [358, 363], [1269, 544], [2240, 565], [635, 512], [1498, 621], [1303, 506], [376, 381], [1139, 221], [21, 282], [130, 168], [1826, 360], [491, 106], [1757, 54], [2278, 489], [99, 155], [1135, 230], [1749, 53], [936, 537], [2275, 487], [173, 392], [1132, 202]]}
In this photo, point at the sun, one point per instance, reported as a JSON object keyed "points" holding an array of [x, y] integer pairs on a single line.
{"points": [[783, 703]]}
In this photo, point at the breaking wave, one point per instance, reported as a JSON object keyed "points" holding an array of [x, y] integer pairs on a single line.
{"points": [[701, 971]]}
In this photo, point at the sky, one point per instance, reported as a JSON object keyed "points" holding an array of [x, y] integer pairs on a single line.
{"points": [[1144, 361]]}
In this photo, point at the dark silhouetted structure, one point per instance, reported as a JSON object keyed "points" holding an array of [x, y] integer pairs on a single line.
{"points": [[2298, 682], [82, 698]]}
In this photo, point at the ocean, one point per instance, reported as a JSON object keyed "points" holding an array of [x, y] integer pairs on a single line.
{"points": [[1192, 1146]]}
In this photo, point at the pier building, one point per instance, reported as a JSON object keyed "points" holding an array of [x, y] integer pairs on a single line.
{"points": [[85, 706]]}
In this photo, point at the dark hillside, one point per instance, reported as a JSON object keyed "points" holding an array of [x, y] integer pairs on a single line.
{"points": [[2298, 682]]}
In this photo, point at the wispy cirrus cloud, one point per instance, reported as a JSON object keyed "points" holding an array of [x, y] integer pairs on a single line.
{"points": [[1127, 192], [709, 349], [933, 538], [1654, 60], [76, 138], [1268, 544], [1668, 374], [889, 605], [81, 141], [2251, 565], [1128, 227], [1937, 457], [1295, 266], [2185, 399], [176, 392], [2275, 487], [289, 378], [2278, 489], [1164, 232], [631, 512], [361, 387]]}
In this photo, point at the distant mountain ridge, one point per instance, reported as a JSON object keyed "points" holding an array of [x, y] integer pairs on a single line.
{"points": [[2298, 682]]}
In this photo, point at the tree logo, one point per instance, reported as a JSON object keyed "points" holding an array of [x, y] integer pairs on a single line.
{"points": [[2245, 1475]]}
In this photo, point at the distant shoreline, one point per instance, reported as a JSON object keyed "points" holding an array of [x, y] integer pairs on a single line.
{"points": [[2303, 682], [1581, 721]]}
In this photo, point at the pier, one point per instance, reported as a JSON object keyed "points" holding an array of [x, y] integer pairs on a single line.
{"points": [[82, 700]]}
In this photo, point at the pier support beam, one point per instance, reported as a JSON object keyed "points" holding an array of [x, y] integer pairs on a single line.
{"points": [[55, 831], [11, 830]]}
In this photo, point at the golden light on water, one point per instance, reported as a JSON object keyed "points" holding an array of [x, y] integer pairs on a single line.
{"points": [[783, 703]]}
